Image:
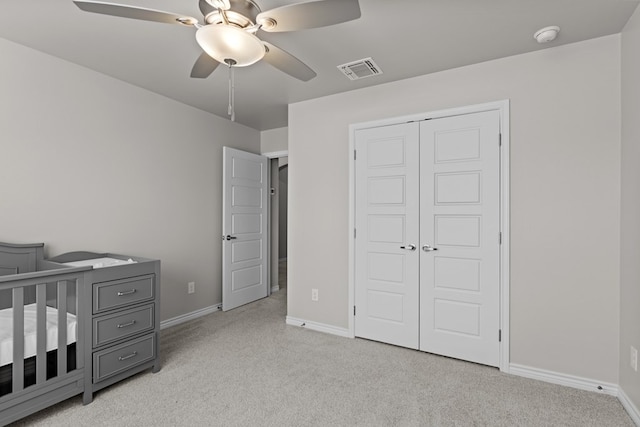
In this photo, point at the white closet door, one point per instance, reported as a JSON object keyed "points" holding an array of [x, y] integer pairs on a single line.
{"points": [[386, 267], [459, 240]]}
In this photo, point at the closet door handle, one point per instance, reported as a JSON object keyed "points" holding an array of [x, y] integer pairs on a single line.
{"points": [[409, 247], [229, 237], [428, 248]]}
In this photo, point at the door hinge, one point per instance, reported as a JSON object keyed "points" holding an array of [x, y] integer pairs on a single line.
{"points": [[354, 154], [499, 335], [354, 233], [354, 310], [500, 238], [499, 140]]}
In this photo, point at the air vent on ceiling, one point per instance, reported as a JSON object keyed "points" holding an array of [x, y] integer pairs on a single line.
{"points": [[360, 69]]}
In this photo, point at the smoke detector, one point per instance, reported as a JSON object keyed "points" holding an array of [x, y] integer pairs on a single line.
{"points": [[360, 69], [547, 34]]}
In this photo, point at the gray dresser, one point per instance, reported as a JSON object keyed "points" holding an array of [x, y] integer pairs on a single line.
{"points": [[123, 325]]}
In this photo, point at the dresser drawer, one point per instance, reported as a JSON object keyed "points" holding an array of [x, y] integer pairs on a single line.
{"points": [[122, 324], [118, 359], [119, 293]]}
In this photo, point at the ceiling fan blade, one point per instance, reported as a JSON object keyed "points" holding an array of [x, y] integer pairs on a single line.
{"points": [[300, 16], [288, 63], [204, 66], [134, 12]]}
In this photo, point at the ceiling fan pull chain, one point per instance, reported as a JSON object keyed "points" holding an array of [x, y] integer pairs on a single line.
{"points": [[233, 96], [231, 110], [230, 89]]}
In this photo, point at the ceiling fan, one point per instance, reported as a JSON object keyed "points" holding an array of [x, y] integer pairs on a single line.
{"points": [[228, 32]]}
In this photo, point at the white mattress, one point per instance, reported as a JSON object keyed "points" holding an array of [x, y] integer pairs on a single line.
{"points": [[99, 262], [30, 340]]}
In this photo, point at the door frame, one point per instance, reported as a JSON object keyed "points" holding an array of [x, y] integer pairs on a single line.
{"points": [[273, 287], [503, 109]]}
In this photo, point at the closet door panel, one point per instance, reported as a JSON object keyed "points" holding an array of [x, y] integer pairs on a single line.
{"points": [[386, 268], [459, 221]]}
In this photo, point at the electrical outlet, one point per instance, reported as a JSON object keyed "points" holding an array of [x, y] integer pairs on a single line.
{"points": [[634, 359], [314, 295], [191, 287]]}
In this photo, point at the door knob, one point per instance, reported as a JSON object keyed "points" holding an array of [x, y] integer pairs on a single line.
{"points": [[409, 247], [428, 248], [229, 237]]}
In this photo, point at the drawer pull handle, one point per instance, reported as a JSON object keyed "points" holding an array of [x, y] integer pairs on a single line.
{"points": [[124, 325], [122, 358], [123, 293]]}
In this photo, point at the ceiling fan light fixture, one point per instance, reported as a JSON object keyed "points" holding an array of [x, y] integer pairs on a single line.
{"points": [[226, 43]]}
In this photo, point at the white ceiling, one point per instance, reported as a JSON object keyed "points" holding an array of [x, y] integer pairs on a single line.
{"points": [[406, 38]]}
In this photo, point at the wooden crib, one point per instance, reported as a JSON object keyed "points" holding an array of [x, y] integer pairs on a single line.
{"points": [[41, 338]]}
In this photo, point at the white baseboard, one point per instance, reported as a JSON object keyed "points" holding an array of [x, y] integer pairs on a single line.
{"points": [[628, 405], [275, 288], [563, 379], [320, 327], [189, 316]]}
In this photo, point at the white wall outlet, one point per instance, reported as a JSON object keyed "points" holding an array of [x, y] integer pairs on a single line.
{"points": [[633, 359], [314, 295], [191, 287]]}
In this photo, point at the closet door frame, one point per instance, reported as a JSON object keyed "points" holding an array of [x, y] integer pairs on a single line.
{"points": [[503, 108]]}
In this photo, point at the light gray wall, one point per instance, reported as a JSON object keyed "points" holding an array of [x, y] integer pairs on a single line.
{"points": [[565, 198], [630, 222], [274, 140], [91, 163]]}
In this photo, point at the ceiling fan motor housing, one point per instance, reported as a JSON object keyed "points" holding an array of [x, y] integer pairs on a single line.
{"points": [[242, 13]]}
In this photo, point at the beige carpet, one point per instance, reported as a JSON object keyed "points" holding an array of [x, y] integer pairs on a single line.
{"points": [[247, 368]]}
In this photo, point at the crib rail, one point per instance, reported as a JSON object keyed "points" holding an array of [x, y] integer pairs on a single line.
{"points": [[65, 293]]}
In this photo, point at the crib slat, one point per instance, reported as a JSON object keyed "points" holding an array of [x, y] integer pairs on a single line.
{"points": [[18, 339], [76, 306], [41, 333], [62, 327]]}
